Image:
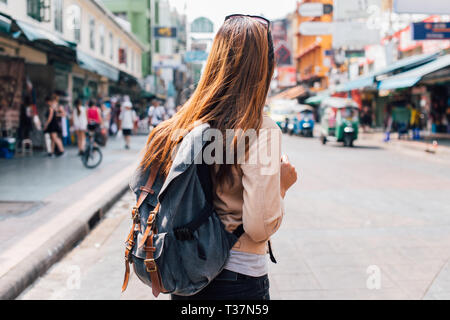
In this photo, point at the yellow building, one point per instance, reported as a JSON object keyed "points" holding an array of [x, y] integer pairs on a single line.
{"points": [[311, 62]]}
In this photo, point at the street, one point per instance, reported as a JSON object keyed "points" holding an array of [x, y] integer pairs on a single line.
{"points": [[361, 223]]}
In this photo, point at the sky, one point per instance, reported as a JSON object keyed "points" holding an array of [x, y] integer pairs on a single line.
{"points": [[216, 10]]}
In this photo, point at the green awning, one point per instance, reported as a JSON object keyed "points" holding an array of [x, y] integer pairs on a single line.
{"points": [[411, 77], [358, 83], [402, 65], [97, 66]]}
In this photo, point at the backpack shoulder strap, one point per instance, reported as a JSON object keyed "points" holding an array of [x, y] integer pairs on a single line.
{"points": [[145, 191]]}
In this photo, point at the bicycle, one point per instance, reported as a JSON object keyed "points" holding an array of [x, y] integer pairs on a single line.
{"points": [[92, 156]]}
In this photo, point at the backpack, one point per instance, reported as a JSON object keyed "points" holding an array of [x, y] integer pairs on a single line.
{"points": [[177, 243]]}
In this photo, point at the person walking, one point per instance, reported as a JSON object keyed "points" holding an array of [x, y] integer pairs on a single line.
{"points": [[80, 121], [127, 120], [94, 116], [156, 114], [52, 126], [230, 96]]}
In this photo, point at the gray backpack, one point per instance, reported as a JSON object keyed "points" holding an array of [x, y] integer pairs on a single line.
{"points": [[177, 243]]}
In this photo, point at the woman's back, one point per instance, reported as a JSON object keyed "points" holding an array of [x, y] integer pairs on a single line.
{"points": [[93, 114]]}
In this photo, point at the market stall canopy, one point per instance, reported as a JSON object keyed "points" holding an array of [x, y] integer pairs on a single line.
{"points": [[32, 33], [43, 39], [399, 66], [291, 93], [102, 68], [411, 77]]}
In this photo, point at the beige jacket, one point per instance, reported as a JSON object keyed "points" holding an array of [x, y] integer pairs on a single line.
{"points": [[254, 199]]}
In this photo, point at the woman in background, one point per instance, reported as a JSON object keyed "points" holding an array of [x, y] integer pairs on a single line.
{"points": [[52, 126], [80, 122]]}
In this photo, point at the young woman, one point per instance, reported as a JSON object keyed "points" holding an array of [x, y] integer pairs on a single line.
{"points": [[52, 125], [94, 116], [127, 119], [80, 122], [231, 95]]}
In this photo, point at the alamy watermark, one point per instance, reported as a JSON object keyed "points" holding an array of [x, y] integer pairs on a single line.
{"points": [[261, 149]]}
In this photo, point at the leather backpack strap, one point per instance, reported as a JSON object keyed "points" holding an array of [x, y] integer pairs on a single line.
{"points": [[152, 268], [145, 191]]}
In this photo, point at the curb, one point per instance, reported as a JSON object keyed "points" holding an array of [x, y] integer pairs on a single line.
{"points": [[19, 278]]}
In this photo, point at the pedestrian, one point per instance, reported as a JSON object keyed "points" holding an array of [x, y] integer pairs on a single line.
{"points": [[388, 122], [366, 119], [94, 116], [231, 96], [414, 121], [127, 119], [80, 121], [52, 126], [156, 114]]}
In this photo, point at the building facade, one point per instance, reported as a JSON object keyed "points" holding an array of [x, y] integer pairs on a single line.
{"points": [[312, 63], [75, 48]]}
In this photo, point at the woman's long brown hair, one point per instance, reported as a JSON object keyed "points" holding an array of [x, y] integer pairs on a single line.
{"points": [[230, 94]]}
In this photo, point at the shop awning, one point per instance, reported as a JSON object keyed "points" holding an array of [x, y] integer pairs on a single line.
{"points": [[398, 66], [291, 93], [410, 78], [94, 65], [358, 83], [32, 33], [5, 24]]}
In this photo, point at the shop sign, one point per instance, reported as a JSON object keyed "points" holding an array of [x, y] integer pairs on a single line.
{"points": [[355, 53], [165, 32], [166, 60], [314, 9], [354, 9], [287, 76], [313, 28], [440, 7], [431, 30], [195, 56], [354, 34]]}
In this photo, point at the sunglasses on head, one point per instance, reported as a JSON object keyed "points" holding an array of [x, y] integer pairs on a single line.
{"points": [[263, 20], [266, 23]]}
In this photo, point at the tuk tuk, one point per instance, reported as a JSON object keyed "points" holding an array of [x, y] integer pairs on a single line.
{"points": [[282, 113], [303, 123], [339, 120]]}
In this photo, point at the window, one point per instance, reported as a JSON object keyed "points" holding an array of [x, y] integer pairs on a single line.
{"points": [[111, 46], [92, 33], [101, 32], [156, 12], [39, 10], [58, 11], [132, 61], [74, 17]]}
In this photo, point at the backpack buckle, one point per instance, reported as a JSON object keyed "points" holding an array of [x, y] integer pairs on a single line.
{"points": [[135, 214], [150, 265]]}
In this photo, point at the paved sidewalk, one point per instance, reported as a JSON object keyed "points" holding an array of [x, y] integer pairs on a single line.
{"points": [[49, 204], [425, 144]]}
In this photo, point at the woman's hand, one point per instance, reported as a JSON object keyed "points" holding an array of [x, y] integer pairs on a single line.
{"points": [[288, 175]]}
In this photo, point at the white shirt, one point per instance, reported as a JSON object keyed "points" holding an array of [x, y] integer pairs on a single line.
{"points": [[250, 264], [156, 114], [80, 121], [128, 117]]}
